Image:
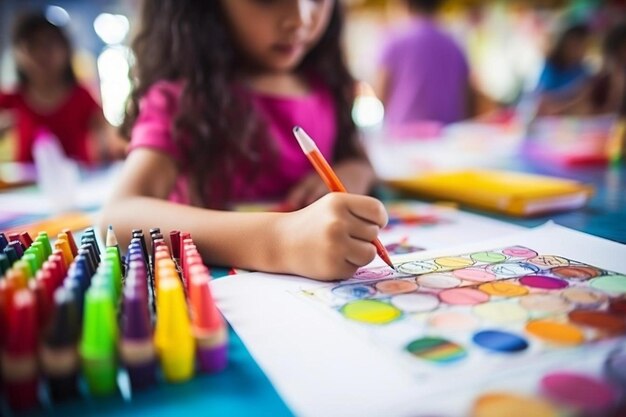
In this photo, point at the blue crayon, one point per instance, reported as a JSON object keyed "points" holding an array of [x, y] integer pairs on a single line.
{"points": [[87, 248], [94, 246], [11, 255], [75, 287], [79, 272], [4, 264], [4, 242]]}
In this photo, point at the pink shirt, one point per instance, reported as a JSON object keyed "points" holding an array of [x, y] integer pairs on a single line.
{"points": [[315, 112]]}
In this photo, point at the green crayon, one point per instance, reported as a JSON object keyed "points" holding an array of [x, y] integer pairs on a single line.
{"points": [[98, 343], [37, 249], [112, 257], [31, 259], [45, 241]]}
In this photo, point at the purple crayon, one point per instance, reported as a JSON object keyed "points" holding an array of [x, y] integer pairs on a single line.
{"points": [[208, 325], [136, 346]]}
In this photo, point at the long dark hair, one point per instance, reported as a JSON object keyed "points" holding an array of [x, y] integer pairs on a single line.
{"points": [[27, 26], [556, 57], [188, 40]]}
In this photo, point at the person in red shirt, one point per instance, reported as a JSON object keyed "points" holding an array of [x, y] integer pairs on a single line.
{"points": [[48, 96]]}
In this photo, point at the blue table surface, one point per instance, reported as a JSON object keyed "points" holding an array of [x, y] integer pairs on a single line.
{"points": [[243, 389]]}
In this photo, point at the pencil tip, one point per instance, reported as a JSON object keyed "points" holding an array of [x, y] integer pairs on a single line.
{"points": [[110, 227], [296, 129]]}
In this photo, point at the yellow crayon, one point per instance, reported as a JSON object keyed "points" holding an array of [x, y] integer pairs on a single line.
{"points": [[173, 337]]}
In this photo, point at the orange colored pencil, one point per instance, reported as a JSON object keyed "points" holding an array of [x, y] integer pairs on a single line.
{"points": [[330, 178]]}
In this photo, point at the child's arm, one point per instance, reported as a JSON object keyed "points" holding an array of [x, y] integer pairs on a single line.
{"points": [[328, 240]]}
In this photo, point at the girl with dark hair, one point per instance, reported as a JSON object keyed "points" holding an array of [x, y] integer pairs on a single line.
{"points": [[219, 86], [48, 96]]}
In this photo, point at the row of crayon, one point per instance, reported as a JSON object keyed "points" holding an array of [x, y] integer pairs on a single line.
{"points": [[40, 306], [72, 309]]}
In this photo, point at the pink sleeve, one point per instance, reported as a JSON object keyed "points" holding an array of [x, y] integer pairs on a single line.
{"points": [[153, 127]]}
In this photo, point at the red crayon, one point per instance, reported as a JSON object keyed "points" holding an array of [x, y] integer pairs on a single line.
{"points": [[175, 243], [19, 355], [26, 240], [43, 288], [5, 294]]}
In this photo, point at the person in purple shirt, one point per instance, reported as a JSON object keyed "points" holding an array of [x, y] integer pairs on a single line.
{"points": [[423, 74]]}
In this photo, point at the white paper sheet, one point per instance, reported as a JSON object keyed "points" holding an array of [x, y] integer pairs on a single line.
{"points": [[320, 368]]}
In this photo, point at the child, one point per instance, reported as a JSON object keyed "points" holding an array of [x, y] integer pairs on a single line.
{"points": [[48, 96], [219, 86], [424, 75], [608, 91], [564, 75]]}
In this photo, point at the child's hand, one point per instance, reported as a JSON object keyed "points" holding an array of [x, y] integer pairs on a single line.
{"points": [[356, 175], [331, 239]]}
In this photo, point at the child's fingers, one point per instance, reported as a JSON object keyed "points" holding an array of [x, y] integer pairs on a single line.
{"points": [[362, 230], [360, 252], [368, 209]]}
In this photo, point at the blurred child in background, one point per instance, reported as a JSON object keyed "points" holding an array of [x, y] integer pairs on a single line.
{"points": [[608, 92], [565, 69], [423, 74], [48, 97]]}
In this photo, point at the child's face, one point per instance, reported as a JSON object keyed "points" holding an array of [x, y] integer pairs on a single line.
{"points": [[42, 57], [275, 35]]}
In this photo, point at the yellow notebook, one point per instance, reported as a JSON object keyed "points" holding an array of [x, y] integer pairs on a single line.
{"points": [[507, 192]]}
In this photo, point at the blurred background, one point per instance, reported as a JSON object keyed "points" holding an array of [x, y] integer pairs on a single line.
{"points": [[505, 41]]}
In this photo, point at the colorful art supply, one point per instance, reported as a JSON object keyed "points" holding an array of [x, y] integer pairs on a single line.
{"points": [[512, 405], [98, 343], [173, 337], [330, 178], [437, 350], [136, 346], [19, 353], [500, 341], [585, 394], [59, 352], [511, 302], [208, 326]]}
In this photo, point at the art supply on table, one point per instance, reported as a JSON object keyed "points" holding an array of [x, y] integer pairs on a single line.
{"points": [[511, 193], [19, 353], [98, 343], [137, 351], [53, 294], [208, 326], [172, 336], [330, 178], [59, 352]]}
